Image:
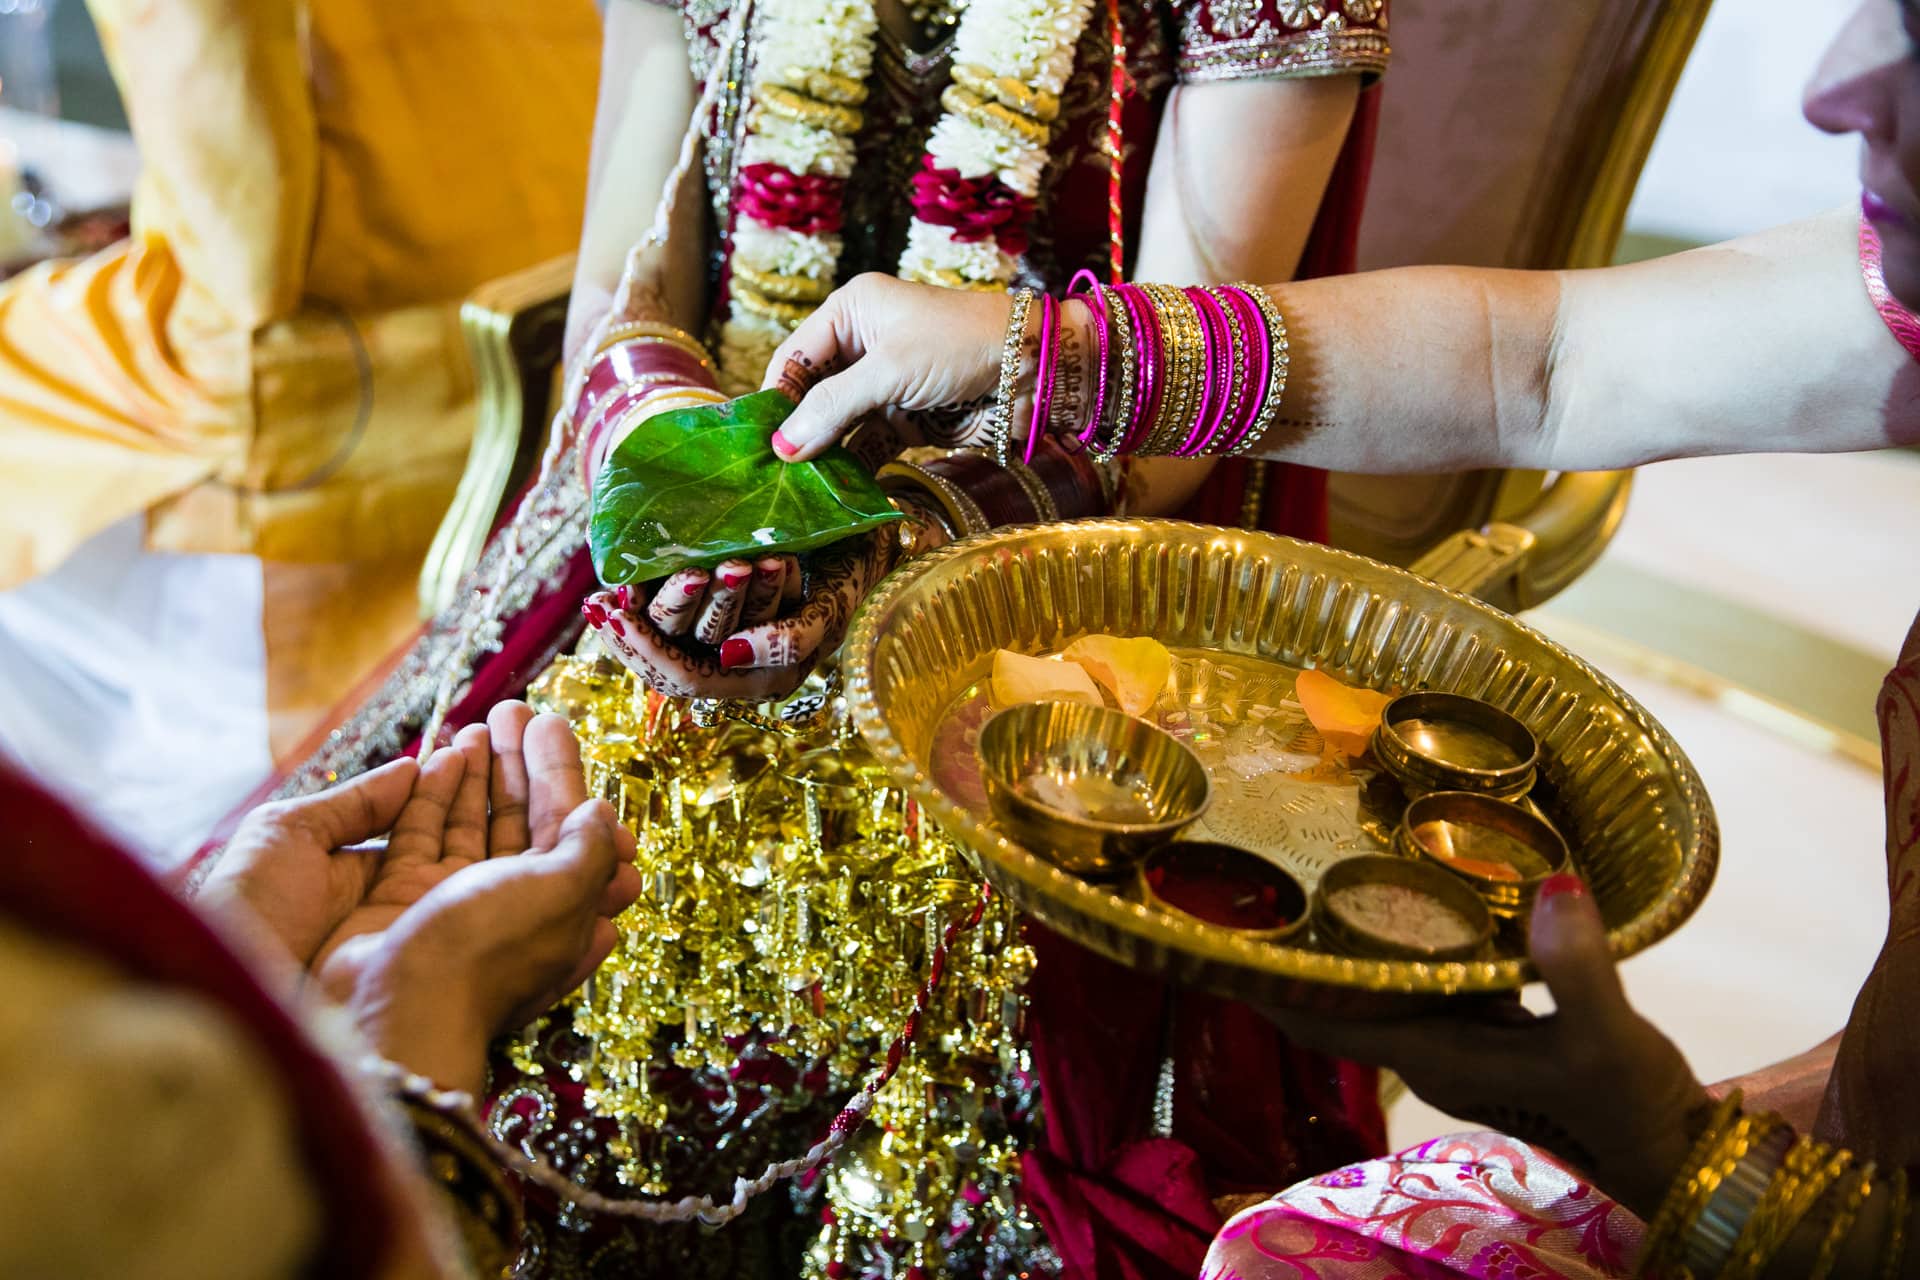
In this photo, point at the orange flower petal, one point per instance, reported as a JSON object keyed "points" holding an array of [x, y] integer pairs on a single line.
{"points": [[1019, 679], [1134, 671], [1345, 716]]}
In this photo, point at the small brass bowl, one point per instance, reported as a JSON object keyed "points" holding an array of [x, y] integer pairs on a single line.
{"points": [[1265, 890], [1067, 741], [1457, 830], [1450, 742], [1344, 932]]}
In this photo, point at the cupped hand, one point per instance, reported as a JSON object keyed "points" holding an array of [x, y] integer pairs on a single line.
{"points": [[912, 352], [1593, 1082], [300, 867], [499, 790], [688, 641], [493, 945]]}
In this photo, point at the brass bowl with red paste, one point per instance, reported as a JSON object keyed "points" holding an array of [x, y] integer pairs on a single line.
{"points": [[1224, 886]]}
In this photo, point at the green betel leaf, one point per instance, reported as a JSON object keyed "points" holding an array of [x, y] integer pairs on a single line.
{"points": [[701, 485]]}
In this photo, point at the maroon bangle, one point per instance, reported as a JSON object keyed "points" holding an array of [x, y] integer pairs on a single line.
{"points": [[624, 362], [992, 487], [1071, 479]]}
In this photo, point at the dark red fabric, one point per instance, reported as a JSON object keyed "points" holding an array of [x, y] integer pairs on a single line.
{"points": [[64, 880]]}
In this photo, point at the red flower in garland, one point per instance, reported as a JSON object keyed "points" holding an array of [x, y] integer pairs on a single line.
{"points": [[974, 209], [778, 197]]}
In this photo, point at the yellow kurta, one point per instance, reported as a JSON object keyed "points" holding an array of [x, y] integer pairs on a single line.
{"points": [[271, 364]]}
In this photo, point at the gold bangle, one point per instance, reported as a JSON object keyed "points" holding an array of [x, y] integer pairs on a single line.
{"points": [[827, 86], [1893, 1254], [1277, 367], [964, 513], [1012, 348], [1738, 1184], [1808, 1173], [1035, 104], [1845, 1214], [644, 340], [642, 331], [1664, 1233], [791, 104], [783, 288], [1180, 323], [753, 302], [991, 115]]}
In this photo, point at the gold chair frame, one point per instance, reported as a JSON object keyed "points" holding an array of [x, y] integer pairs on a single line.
{"points": [[1522, 536]]}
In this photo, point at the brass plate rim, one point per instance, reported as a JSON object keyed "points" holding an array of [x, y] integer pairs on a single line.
{"points": [[1040, 886]]}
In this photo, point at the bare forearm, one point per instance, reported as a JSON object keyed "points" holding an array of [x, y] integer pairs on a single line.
{"points": [[1764, 344], [1216, 214], [647, 96]]}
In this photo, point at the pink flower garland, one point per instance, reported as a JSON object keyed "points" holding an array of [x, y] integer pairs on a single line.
{"points": [[975, 209]]}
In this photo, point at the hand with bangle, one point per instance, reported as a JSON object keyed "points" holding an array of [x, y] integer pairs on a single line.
{"points": [[1119, 370]]}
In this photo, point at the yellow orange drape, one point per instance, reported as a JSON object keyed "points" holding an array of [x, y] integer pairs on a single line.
{"points": [[271, 364]]}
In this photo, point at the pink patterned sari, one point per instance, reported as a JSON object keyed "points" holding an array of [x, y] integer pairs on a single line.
{"points": [[1490, 1207]]}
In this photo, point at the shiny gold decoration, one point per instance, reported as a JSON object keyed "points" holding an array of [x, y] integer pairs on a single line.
{"points": [[789, 314], [791, 104], [949, 279], [1070, 743], [783, 288], [827, 86], [1035, 104], [991, 115], [1635, 814], [792, 891]]}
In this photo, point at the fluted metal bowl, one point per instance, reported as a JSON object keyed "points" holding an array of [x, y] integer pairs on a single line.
{"points": [[1629, 803]]}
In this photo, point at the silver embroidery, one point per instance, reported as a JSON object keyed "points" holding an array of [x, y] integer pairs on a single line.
{"points": [[1234, 18], [1300, 13]]}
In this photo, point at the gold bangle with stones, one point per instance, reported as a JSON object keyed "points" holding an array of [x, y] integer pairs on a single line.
{"points": [[1035, 104], [630, 332], [1731, 1191], [783, 288], [962, 511], [1184, 339], [791, 104], [484, 1204], [1893, 1254], [1277, 367], [991, 115], [752, 301], [826, 86], [1807, 1174], [1666, 1233], [1846, 1213], [1012, 356]]}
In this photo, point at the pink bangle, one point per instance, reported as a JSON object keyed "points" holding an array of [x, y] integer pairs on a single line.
{"points": [[1043, 375], [1254, 322], [1098, 307], [1147, 354]]}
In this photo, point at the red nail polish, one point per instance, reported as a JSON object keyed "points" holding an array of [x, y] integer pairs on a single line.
{"points": [[1562, 883], [781, 445], [596, 615], [735, 653], [624, 597]]}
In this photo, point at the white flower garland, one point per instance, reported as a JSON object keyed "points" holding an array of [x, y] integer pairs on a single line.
{"points": [[1031, 42]]}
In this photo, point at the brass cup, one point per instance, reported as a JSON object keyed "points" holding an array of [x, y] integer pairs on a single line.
{"points": [[1509, 899], [1478, 747], [1070, 739], [1206, 855], [1344, 934]]}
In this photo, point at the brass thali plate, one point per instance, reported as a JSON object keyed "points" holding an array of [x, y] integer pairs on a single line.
{"points": [[1242, 612]]}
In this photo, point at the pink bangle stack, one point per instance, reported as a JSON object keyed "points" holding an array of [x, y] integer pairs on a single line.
{"points": [[637, 364], [1182, 373]]}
